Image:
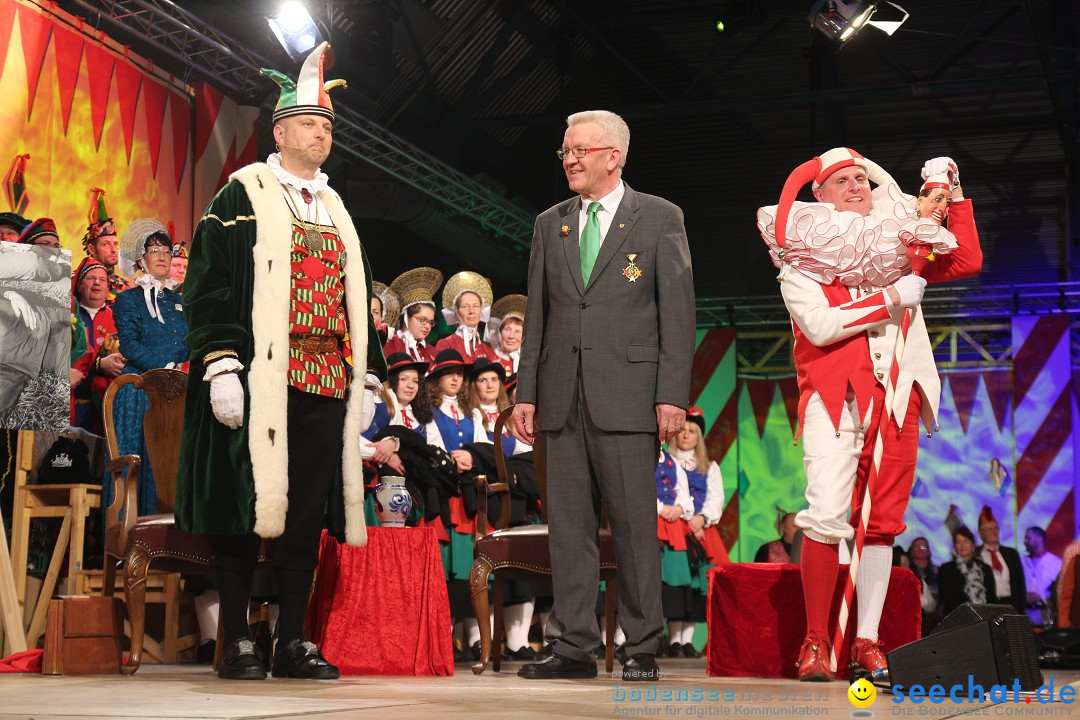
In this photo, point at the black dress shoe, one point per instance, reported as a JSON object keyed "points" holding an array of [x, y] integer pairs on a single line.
{"points": [[545, 652], [620, 654], [522, 654], [600, 651], [640, 667], [689, 651], [303, 660], [241, 661], [675, 651], [559, 667]]}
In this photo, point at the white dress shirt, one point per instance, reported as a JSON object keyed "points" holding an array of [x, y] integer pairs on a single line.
{"points": [[609, 204]]}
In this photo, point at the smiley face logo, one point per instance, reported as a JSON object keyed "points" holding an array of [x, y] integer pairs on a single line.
{"points": [[862, 693]]}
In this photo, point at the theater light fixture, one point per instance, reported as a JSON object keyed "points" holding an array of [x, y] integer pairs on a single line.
{"points": [[841, 20], [295, 29]]}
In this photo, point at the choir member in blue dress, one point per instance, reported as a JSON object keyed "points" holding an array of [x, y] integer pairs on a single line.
{"points": [[151, 329]]}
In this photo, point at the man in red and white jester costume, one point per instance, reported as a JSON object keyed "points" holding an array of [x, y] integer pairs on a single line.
{"points": [[846, 279]]}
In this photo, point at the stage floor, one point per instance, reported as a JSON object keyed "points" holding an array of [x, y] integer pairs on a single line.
{"points": [[192, 691]]}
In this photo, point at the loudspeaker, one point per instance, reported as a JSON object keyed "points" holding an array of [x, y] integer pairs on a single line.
{"points": [[992, 643]]}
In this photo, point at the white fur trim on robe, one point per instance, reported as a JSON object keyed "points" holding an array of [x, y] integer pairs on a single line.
{"points": [[268, 377]]}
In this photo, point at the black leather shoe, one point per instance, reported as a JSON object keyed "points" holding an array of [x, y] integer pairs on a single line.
{"points": [[640, 667], [545, 652], [303, 660], [620, 654], [689, 651], [522, 654], [241, 661], [675, 651], [599, 652], [559, 667]]}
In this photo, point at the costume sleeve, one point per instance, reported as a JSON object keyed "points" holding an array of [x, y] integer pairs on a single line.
{"points": [[219, 321], [824, 324], [713, 507], [676, 315], [129, 328], [479, 429], [376, 361], [434, 437], [682, 493], [966, 259], [81, 357], [533, 337]]}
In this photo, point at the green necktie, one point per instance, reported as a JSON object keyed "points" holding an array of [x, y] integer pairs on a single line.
{"points": [[590, 242]]}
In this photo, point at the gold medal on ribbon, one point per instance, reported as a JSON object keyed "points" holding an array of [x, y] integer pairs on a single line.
{"points": [[631, 272], [313, 239]]}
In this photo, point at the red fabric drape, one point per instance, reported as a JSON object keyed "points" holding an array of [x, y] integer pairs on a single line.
{"points": [[382, 609], [757, 619], [27, 661]]}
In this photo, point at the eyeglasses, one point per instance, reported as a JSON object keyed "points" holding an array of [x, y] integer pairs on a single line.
{"points": [[578, 151], [423, 320], [159, 251]]}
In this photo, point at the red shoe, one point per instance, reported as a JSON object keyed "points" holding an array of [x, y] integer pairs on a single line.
{"points": [[867, 655], [813, 665]]}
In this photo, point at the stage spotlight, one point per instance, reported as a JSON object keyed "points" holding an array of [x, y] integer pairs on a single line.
{"points": [[841, 20], [295, 29]]}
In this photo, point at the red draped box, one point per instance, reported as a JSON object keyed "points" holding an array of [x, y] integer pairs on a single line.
{"points": [[382, 609], [757, 619]]}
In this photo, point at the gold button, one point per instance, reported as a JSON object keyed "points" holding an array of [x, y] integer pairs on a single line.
{"points": [[877, 356], [880, 375]]}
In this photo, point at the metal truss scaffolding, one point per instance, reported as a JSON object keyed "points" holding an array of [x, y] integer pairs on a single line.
{"points": [[969, 327], [215, 57]]}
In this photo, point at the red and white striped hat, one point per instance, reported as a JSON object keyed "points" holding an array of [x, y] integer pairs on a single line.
{"points": [[817, 171]]}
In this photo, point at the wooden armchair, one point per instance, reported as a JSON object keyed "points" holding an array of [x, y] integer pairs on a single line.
{"points": [[150, 540], [521, 553]]}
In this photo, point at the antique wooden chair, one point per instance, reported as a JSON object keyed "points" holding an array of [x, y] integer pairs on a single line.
{"points": [[150, 540], [521, 553]]}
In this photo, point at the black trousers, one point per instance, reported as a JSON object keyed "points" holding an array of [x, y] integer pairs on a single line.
{"points": [[315, 426]]}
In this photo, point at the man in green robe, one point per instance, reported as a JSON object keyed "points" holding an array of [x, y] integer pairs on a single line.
{"points": [[276, 298]]}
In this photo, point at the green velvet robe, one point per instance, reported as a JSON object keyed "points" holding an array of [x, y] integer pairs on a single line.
{"points": [[236, 297]]}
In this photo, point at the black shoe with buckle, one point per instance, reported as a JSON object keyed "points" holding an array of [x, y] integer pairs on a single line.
{"points": [[640, 667], [241, 661], [303, 660], [559, 667]]}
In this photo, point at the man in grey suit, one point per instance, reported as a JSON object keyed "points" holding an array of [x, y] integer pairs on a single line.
{"points": [[605, 376]]}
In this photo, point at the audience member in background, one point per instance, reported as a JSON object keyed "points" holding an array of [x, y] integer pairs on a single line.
{"points": [[91, 282], [965, 578], [1009, 581], [11, 226], [505, 330], [779, 551], [919, 562], [415, 290], [466, 303], [100, 243], [178, 267], [42, 233], [152, 330], [1041, 569]]}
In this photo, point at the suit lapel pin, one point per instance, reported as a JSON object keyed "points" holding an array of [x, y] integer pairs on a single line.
{"points": [[622, 225], [631, 272], [565, 231]]}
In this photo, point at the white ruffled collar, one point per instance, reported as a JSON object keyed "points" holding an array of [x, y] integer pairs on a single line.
{"points": [[152, 287], [685, 458], [314, 186]]}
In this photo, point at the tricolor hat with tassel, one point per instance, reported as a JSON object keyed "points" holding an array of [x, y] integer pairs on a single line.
{"points": [[98, 218], [308, 95], [817, 171]]}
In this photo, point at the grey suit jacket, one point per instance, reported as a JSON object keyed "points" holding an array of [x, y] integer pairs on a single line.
{"points": [[634, 340]]}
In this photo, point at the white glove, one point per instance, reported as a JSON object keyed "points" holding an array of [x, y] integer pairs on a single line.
{"points": [[910, 288], [226, 392], [371, 389], [942, 166]]}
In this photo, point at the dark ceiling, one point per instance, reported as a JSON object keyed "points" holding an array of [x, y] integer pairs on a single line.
{"points": [[717, 119]]}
